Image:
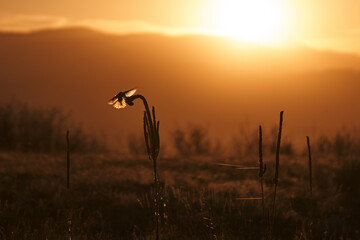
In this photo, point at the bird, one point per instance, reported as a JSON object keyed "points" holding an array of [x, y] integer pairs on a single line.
{"points": [[119, 100]]}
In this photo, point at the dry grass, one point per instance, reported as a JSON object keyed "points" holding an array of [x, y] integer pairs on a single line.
{"points": [[112, 195], [111, 199]]}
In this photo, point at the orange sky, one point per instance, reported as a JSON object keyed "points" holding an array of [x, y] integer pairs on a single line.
{"points": [[331, 24]]}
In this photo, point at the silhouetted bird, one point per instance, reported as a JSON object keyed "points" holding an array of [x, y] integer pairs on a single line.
{"points": [[119, 101]]}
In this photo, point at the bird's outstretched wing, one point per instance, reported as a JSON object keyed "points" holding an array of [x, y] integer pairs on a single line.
{"points": [[130, 92], [113, 101]]}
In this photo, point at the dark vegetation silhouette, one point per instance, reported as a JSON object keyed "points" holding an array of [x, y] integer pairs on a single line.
{"points": [[29, 129], [193, 141], [345, 143], [136, 145]]}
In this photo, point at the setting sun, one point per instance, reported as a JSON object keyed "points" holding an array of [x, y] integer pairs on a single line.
{"points": [[261, 21]]}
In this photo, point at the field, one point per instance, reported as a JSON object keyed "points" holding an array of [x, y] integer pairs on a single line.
{"points": [[110, 197]]}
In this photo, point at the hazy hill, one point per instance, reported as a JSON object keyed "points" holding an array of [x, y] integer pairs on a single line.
{"points": [[191, 79]]}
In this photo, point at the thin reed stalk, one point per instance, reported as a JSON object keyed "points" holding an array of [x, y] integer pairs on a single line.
{"points": [[262, 170], [68, 182], [238, 167], [310, 187], [249, 198], [68, 159], [277, 161], [310, 165]]}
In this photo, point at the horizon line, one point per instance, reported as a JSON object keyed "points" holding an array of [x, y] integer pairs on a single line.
{"points": [[123, 28]]}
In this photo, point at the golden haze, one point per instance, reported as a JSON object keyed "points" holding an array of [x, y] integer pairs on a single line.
{"points": [[321, 24], [210, 81]]}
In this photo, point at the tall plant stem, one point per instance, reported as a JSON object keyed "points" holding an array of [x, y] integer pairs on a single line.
{"points": [[261, 171], [156, 199], [310, 164], [152, 141], [310, 187], [68, 160], [277, 161], [68, 180]]}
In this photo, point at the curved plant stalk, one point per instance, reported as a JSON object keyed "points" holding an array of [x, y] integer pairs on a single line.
{"points": [[152, 142], [151, 136]]}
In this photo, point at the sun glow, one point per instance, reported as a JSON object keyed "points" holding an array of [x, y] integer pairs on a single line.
{"points": [[262, 21]]}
